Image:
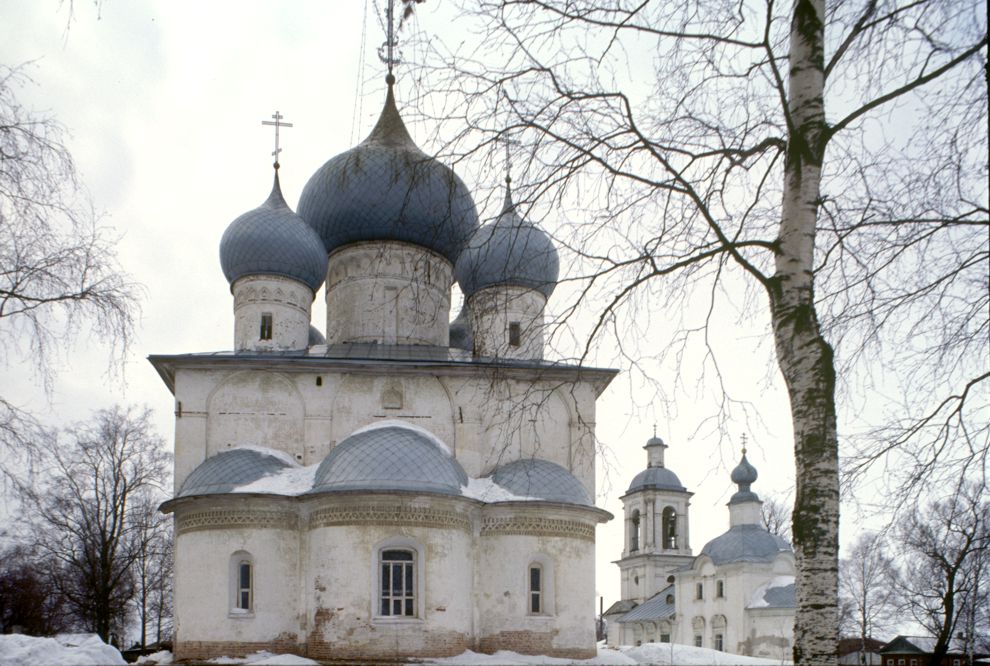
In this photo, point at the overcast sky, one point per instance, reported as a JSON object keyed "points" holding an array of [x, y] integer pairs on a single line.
{"points": [[164, 102]]}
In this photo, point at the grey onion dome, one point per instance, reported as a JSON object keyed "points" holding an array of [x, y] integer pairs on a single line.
{"points": [[744, 475], [227, 470], [745, 543], [656, 478], [272, 240], [654, 441], [386, 188], [390, 458], [543, 480], [509, 251], [315, 337]]}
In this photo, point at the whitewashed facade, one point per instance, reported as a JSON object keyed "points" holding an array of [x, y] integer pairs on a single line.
{"points": [[404, 486]]}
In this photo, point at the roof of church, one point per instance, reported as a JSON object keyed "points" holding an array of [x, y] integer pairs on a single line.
{"points": [[390, 458], [272, 240], [227, 470], [509, 251], [656, 607], [745, 543], [386, 188], [461, 335], [541, 479], [659, 478]]}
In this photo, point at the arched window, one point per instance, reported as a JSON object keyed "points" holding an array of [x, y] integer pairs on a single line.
{"points": [[669, 526], [535, 589], [720, 589], [634, 531], [242, 575], [539, 586], [718, 632], [397, 583]]}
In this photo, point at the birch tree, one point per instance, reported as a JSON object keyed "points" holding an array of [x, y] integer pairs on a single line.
{"points": [[867, 587], [678, 148]]}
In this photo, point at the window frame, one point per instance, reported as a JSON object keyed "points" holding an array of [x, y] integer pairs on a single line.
{"points": [[418, 582], [515, 334], [720, 589], [267, 328], [535, 592], [544, 563], [719, 642], [699, 591], [237, 561], [401, 563]]}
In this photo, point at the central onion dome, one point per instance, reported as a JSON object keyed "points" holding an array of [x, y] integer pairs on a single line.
{"points": [[386, 188], [272, 240], [510, 251]]}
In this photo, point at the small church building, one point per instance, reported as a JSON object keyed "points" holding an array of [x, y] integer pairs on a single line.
{"points": [[397, 484], [736, 595]]}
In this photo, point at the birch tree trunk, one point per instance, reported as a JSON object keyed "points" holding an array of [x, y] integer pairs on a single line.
{"points": [[805, 358]]}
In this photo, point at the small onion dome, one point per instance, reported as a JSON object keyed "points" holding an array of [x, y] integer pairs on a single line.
{"points": [[390, 458], [656, 478], [654, 441], [745, 543], [461, 335], [315, 337], [227, 470], [543, 480], [272, 240], [744, 475], [510, 251], [386, 188]]}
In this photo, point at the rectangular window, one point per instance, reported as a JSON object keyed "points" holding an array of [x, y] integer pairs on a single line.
{"points": [[720, 589], [266, 326], [900, 662], [699, 591], [515, 334], [914, 662], [535, 589], [697, 641], [244, 586], [398, 583], [664, 638], [718, 642]]}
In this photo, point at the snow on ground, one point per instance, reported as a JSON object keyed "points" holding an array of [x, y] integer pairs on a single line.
{"points": [[62, 650], [89, 650], [660, 654], [160, 658]]}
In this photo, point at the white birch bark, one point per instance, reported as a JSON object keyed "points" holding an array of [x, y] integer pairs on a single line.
{"points": [[805, 358]]}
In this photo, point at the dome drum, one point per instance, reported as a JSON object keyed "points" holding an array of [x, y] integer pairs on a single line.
{"points": [[388, 293], [271, 313], [507, 322]]}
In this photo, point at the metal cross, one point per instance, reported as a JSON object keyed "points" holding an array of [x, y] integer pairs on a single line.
{"points": [[509, 143], [389, 58], [744, 443], [277, 124]]}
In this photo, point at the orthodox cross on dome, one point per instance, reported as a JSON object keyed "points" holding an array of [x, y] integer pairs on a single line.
{"points": [[744, 443], [388, 52], [508, 143], [277, 123]]}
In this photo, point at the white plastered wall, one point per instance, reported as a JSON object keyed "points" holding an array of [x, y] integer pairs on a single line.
{"points": [[289, 303]]}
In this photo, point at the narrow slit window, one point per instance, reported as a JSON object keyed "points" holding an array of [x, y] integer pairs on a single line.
{"points": [[720, 589], [535, 589], [244, 586], [266, 326], [515, 334], [699, 591]]}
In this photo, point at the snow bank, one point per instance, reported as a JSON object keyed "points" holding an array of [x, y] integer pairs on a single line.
{"points": [[160, 658], [266, 659], [652, 653], [62, 650], [687, 655]]}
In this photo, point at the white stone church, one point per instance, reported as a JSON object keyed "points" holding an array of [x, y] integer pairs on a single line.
{"points": [[398, 485], [736, 596]]}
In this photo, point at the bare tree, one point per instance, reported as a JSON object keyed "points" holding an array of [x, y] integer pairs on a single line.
{"points": [[717, 162], [152, 543], [58, 267], [776, 515], [945, 549], [29, 599], [86, 514], [867, 587]]}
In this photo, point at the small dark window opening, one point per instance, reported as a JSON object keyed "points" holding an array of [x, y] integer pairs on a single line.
{"points": [[266, 326], [319, 381], [720, 589], [699, 591], [634, 532], [536, 589], [515, 334]]}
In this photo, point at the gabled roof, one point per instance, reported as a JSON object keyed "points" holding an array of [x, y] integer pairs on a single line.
{"points": [[916, 644], [655, 608]]}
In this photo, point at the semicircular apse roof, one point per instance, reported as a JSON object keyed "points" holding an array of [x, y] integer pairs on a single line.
{"points": [[541, 479], [745, 543], [228, 470], [390, 458]]}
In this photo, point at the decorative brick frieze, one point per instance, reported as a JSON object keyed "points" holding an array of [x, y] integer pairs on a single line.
{"points": [[537, 526], [389, 514], [229, 519]]}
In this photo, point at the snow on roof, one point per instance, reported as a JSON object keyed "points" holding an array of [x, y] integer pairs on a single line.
{"points": [[487, 490], [778, 592], [289, 481], [397, 423], [60, 650]]}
